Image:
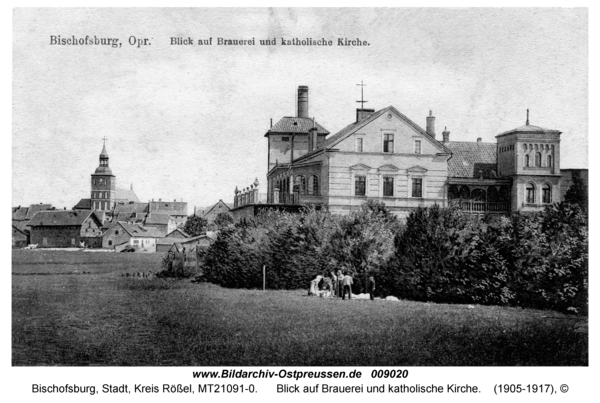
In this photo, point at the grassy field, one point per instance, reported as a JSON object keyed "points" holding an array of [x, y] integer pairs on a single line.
{"points": [[63, 316]]}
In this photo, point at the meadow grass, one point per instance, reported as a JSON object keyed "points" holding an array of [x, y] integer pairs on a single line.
{"points": [[64, 317]]}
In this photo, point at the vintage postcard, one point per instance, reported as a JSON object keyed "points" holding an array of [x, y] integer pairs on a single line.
{"points": [[309, 201]]}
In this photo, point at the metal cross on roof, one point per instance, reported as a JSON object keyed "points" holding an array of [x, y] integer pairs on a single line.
{"points": [[104, 140], [362, 99]]}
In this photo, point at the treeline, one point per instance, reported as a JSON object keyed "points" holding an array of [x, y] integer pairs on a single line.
{"points": [[439, 254]]}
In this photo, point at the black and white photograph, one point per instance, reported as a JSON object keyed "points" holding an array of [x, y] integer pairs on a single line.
{"points": [[346, 188]]}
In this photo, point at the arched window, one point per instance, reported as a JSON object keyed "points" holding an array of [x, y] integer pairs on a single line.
{"points": [[464, 193], [313, 185], [546, 194], [300, 184], [524, 147], [478, 195], [538, 159], [526, 160], [530, 193], [549, 161], [453, 192]]}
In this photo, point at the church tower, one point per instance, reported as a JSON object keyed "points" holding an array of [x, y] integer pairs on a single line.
{"points": [[103, 184]]}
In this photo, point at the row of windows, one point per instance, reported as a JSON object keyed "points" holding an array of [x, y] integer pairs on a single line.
{"points": [[99, 181], [506, 148], [530, 196], [491, 194], [537, 161], [388, 144], [300, 185], [537, 147], [360, 186], [100, 195]]}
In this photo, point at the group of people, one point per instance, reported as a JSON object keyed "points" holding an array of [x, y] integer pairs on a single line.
{"points": [[337, 285]]}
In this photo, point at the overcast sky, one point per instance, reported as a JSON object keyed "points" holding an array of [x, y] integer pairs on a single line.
{"points": [[188, 122]]}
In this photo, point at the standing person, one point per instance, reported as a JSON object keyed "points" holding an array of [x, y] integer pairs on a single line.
{"points": [[334, 280], [340, 280], [371, 287], [347, 284]]}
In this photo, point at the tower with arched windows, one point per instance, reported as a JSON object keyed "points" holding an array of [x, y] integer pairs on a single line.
{"points": [[103, 185], [530, 156]]}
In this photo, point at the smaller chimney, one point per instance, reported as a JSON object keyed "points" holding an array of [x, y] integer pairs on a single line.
{"points": [[431, 124], [271, 123], [479, 139], [446, 135], [363, 114]]}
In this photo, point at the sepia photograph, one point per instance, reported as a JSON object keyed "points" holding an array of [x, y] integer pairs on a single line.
{"points": [[299, 187]]}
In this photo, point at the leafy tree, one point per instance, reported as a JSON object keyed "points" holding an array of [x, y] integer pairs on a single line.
{"points": [[577, 193], [223, 220], [195, 225]]}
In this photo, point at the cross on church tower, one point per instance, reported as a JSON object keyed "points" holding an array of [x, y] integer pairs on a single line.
{"points": [[104, 140], [362, 99]]}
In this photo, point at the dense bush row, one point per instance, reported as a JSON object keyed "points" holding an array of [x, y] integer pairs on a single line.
{"points": [[438, 254]]}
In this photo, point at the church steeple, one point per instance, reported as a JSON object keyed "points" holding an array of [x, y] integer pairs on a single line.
{"points": [[103, 184], [103, 167]]}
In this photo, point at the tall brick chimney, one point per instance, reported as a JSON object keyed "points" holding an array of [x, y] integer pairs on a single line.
{"points": [[302, 101], [431, 124]]}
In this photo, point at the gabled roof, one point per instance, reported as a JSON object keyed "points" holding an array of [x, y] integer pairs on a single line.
{"points": [[131, 216], [135, 230], [353, 127], [83, 204], [290, 124], [126, 194], [131, 208], [472, 159], [34, 208], [208, 210], [61, 218], [157, 218], [19, 213], [21, 226], [173, 234]]}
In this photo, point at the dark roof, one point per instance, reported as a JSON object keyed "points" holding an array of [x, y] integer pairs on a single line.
{"points": [[126, 194], [208, 210], [177, 230], [472, 160], [19, 213], [131, 216], [167, 207], [60, 218], [158, 218], [295, 125], [528, 129], [83, 204], [131, 208], [136, 230], [34, 208], [353, 127], [21, 226]]}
